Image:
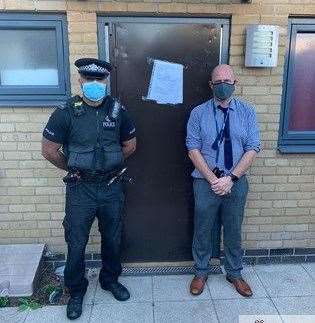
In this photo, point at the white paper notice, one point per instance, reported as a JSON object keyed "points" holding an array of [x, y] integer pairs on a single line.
{"points": [[166, 84]]}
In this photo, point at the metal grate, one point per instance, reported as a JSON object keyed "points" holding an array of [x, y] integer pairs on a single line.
{"points": [[166, 270]]}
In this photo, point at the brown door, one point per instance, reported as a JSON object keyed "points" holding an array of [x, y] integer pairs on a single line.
{"points": [[159, 208]]}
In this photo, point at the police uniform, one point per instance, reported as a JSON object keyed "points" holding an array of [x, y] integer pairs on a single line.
{"points": [[91, 138]]}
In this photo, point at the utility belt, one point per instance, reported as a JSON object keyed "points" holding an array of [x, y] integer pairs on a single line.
{"points": [[97, 176], [109, 177]]}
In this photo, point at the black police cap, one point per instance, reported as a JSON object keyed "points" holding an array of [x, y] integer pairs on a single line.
{"points": [[93, 67]]}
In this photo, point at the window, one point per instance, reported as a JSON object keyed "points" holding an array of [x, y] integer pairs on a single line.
{"points": [[297, 127], [34, 65]]}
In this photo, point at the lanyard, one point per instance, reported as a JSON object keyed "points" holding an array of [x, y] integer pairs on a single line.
{"points": [[219, 138]]}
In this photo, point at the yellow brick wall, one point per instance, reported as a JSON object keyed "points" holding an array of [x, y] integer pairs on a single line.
{"points": [[281, 204]]}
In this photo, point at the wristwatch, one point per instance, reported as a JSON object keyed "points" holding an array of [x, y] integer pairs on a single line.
{"points": [[234, 178]]}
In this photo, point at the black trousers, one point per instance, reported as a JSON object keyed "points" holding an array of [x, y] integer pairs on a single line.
{"points": [[84, 202]]}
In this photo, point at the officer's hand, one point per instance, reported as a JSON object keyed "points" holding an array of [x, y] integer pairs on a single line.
{"points": [[222, 186]]}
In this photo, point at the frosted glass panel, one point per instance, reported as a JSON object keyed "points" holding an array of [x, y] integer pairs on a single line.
{"points": [[40, 76], [302, 116], [28, 57]]}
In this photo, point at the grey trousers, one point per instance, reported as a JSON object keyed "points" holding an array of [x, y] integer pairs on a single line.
{"points": [[216, 238], [209, 207]]}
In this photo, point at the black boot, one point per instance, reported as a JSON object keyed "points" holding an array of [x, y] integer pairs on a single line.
{"points": [[74, 307], [119, 291]]}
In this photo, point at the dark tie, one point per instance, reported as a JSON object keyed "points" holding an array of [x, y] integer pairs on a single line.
{"points": [[228, 153]]}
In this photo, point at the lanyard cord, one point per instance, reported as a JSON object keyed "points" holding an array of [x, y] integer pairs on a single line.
{"points": [[219, 139]]}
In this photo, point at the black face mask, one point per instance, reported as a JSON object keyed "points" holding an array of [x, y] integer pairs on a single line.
{"points": [[223, 91]]}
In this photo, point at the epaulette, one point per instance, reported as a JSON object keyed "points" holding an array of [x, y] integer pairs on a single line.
{"points": [[61, 106], [77, 105], [116, 108]]}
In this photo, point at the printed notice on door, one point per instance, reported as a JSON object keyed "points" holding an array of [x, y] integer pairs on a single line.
{"points": [[166, 84]]}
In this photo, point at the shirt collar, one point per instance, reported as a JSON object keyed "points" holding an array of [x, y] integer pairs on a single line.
{"points": [[231, 105]]}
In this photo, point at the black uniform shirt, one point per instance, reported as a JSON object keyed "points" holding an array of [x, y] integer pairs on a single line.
{"points": [[58, 126]]}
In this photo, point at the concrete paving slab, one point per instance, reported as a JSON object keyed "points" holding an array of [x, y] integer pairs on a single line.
{"points": [[173, 302], [310, 268], [140, 289], [122, 312], [228, 311], [220, 288], [185, 312], [20, 259], [285, 280], [21, 248], [175, 288], [56, 314], [89, 297], [12, 315], [18, 267], [18, 285], [295, 305]]}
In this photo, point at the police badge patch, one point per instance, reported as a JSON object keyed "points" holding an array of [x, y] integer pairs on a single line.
{"points": [[108, 123]]}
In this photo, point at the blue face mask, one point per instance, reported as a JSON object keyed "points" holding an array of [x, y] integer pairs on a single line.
{"points": [[223, 91], [94, 91]]}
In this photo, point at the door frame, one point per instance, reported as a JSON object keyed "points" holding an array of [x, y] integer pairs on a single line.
{"points": [[107, 45]]}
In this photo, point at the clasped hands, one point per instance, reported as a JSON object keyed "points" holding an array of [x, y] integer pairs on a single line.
{"points": [[222, 186]]}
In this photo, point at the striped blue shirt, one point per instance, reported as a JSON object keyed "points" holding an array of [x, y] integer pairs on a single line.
{"points": [[202, 132]]}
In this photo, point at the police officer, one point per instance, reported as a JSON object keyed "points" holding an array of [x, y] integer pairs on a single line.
{"points": [[90, 137]]}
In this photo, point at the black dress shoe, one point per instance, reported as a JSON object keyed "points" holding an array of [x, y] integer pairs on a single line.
{"points": [[74, 307], [119, 291]]}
